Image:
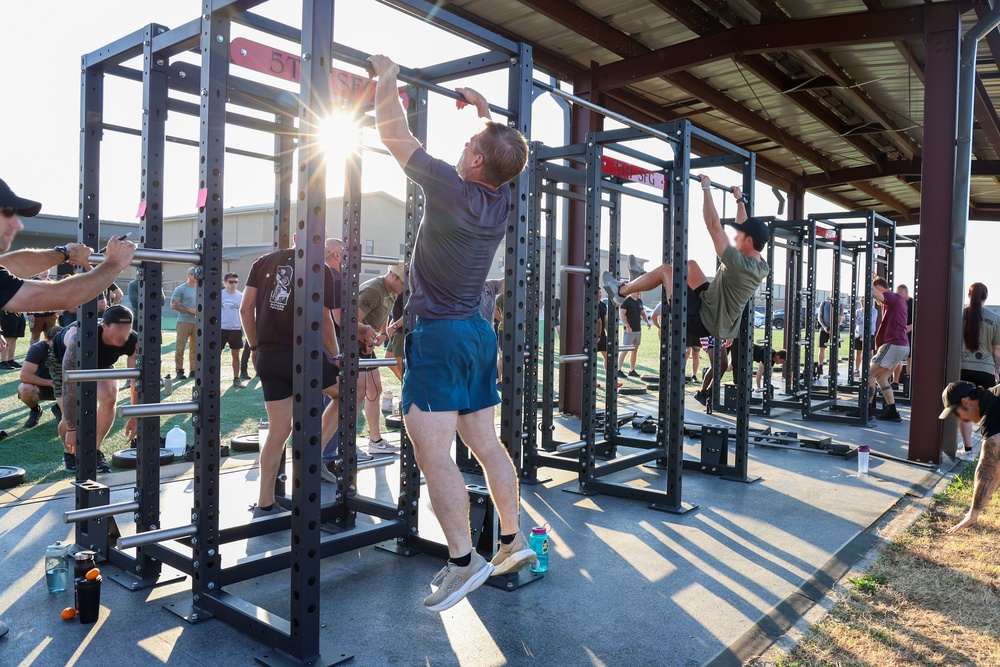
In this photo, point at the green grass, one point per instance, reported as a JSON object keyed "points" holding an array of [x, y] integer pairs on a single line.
{"points": [[39, 450]]}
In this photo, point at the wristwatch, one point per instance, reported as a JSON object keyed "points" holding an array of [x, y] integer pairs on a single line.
{"points": [[62, 249]]}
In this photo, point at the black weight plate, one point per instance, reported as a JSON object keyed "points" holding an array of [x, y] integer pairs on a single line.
{"points": [[245, 443], [394, 421], [631, 391], [653, 379], [127, 458], [653, 387], [10, 476]]}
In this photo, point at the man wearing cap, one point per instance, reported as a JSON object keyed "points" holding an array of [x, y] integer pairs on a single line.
{"points": [[376, 298], [115, 340], [970, 403], [184, 301], [33, 296], [714, 308]]}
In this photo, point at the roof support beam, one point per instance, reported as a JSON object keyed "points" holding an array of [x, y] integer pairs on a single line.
{"points": [[986, 115], [810, 33], [895, 169]]}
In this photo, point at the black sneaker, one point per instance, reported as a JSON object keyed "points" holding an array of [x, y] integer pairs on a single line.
{"points": [[5, 366], [179, 375], [69, 461], [889, 414], [33, 417], [56, 412], [701, 397], [245, 376], [102, 465], [13, 364], [633, 374], [621, 374]]}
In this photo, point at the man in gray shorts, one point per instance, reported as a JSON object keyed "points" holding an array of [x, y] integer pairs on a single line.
{"points": [[632, 315], [893, 347]]}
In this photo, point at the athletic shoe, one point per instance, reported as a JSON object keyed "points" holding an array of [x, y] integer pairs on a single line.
{"points": [[381, 446], [965, 454], [245, 376], [5, 366], [611, 285], [179, 375], [33, 416], [69, 461], [102, 465], [13, 364], [326, 474], [512, 557], [237, 384], [56, 412], [633, 374], [701, 397], [634, 268], [455, 582], [275, 510], [621, 374]]}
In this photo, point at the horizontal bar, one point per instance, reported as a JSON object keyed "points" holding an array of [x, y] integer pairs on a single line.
{"points": [[384, 260], [573, 358], [154, 255], [607, 113], [377, 462], [158, 409], [582, 270], [73, 516], [717, 186], [571, 446], [625, 348], [377, 363], [157, 536], [98, 374]]}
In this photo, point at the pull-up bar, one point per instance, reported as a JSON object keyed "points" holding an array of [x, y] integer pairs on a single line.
{"points": [[744, 197], [607, 113]]}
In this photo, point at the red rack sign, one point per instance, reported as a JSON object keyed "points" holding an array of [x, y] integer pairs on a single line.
{"points": [[827, 233], [630, 172], [288, 66]]}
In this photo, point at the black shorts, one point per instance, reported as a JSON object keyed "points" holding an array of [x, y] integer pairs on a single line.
{"points": [[368, 355], [979, 378], [859, 344], [233, 338], [602, 342], [695, 327], [275, 368], [12, 324], [824, 338]]}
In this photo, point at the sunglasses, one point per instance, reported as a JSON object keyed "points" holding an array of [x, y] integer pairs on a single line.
{"points": [[8, 212], [232, 282]]}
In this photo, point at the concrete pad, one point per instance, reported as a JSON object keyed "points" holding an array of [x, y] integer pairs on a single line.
{"points": [[626, 585]]}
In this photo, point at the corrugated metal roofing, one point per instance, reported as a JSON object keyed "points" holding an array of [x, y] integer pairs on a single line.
{"points": [[869, 110]]}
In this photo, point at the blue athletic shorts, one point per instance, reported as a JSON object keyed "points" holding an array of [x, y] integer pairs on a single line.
{"points": [[451, 365]]}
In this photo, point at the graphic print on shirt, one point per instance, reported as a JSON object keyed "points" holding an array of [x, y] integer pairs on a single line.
{"points": [[282, 288]]}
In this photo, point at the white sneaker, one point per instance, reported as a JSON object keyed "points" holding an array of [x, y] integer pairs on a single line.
{"points": [[965, 454], [381, 447]]}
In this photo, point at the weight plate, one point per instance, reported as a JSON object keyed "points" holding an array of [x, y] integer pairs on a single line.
{"points": [[653, 387], [127, 458], [245, 443], [394, 421], [631, 391], [10, 476], [653, 379]]}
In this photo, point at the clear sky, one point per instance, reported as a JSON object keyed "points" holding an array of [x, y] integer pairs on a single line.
{"points": [[40, 118]]}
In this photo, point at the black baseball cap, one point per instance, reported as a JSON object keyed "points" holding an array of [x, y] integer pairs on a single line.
{"points": [[953, 394], [117, 315], [25, 207], [755, 229]]}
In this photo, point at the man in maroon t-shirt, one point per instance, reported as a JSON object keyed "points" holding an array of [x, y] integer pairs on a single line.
{"points": [[893, 347]]}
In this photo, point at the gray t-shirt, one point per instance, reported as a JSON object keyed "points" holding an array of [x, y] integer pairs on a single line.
{"points": [[989, 335], [187, 296], [463, 224], [487, 306], [729, 293]]}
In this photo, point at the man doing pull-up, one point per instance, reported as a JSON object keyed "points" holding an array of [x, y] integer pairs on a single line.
{"points": [[714, 308]]}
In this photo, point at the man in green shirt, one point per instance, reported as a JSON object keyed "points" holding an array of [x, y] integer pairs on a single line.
{"points": [[714, 308], [375, 300], [184, 302]]}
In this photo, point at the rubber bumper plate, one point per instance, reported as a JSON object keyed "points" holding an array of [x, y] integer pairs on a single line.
{"points": [[127, 458]]}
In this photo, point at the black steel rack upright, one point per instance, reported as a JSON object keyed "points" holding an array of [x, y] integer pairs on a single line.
{"points": [[197, 551]]}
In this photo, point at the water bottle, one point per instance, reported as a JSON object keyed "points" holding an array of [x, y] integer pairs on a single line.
{"points": [[262, 430], [168, 385], [176, 441], [387, 402], [863, 454], [539, 542], [56, 567]]}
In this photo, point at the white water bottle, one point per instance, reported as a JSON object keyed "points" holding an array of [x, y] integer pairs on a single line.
{"points": [[176, 440], [863, 454]]}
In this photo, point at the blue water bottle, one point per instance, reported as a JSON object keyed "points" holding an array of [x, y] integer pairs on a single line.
{"points": [[539, 542]]}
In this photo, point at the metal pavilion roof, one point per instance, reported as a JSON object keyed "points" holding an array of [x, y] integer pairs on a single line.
{"points": [[828, 93]]}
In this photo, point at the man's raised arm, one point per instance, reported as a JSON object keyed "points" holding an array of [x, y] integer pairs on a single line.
{"points": [[712, 221], [389, 115]]}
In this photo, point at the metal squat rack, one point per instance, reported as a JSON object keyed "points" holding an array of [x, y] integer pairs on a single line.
{"points": [[199, 544]]}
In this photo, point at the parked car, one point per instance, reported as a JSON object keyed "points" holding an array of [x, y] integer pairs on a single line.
{"points": [[778, 318], [758, 317]]}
